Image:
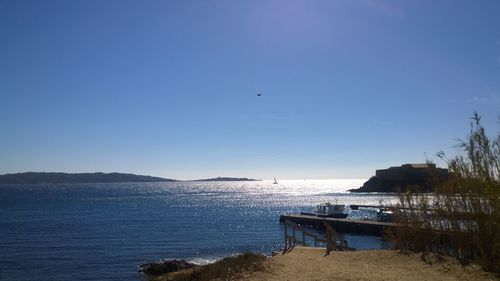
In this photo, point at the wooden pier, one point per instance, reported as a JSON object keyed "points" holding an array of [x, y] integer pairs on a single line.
{"points": [[356, 207], [341, 225], [331, 240]]}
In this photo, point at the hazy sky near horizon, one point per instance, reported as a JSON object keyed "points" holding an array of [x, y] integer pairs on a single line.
{"points": [[169, 88]]}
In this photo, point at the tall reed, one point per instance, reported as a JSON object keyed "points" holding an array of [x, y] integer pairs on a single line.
{"points": [[462, 216]]}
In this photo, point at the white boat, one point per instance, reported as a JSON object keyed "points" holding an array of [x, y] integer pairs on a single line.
{"points": [[328, 210], [385, 215], [275, 182]]}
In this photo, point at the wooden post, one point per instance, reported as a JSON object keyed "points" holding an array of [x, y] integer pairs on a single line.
{"points": [[286, 236], [334, 240], [328, 242], [331, 238]]}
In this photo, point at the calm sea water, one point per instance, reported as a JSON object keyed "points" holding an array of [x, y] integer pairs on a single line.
{"points": [[105, 231]]}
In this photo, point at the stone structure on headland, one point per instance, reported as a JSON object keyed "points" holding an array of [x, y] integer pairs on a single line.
{"points": [[419, 177]]}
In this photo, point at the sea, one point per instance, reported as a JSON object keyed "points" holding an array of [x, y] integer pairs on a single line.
{"points": [[106, 231]]}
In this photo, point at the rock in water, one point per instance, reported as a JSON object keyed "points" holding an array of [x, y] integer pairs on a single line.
{"points": [[162, 267]]}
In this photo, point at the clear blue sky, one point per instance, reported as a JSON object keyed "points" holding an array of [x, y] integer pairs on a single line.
{"points": [[169, 88]]}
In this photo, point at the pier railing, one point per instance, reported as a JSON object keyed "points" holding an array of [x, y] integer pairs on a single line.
{"points": [[298, 234]]}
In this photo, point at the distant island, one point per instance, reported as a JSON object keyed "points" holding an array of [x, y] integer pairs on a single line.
{"points": [[49, 177], [227, 179], [409, 176], [42, 177]]}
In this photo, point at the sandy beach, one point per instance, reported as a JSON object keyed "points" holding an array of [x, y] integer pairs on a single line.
{"points": [[311, 264]]}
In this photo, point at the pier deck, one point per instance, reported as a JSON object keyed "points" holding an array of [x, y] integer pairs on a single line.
{"points": [[356, 206], [341, 225]]}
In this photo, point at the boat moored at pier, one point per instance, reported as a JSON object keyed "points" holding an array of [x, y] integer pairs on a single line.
{"points": [[328, 210]]}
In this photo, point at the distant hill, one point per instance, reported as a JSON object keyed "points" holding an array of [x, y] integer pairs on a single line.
{"points": [[35, 177], [227, 179]]}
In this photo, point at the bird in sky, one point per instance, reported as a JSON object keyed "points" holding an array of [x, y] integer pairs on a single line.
{"points": [[259, 95]]}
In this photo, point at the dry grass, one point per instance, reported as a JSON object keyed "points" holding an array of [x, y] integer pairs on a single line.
{"points": [[230, 268]]}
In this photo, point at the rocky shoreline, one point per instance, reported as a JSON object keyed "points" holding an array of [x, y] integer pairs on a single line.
{"points": [[156, 269]]}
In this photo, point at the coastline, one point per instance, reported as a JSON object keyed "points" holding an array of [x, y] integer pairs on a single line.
{"points": [[305, 263], [157, 231]]}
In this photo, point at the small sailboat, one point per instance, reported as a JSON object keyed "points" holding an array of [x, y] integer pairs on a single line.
{"points": [[275, 182]]}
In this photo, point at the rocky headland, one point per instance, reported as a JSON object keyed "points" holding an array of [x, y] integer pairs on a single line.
{"points": [[417, 177]]}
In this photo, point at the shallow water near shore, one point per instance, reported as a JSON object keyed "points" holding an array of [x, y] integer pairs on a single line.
{"points": [[105, 231]]}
